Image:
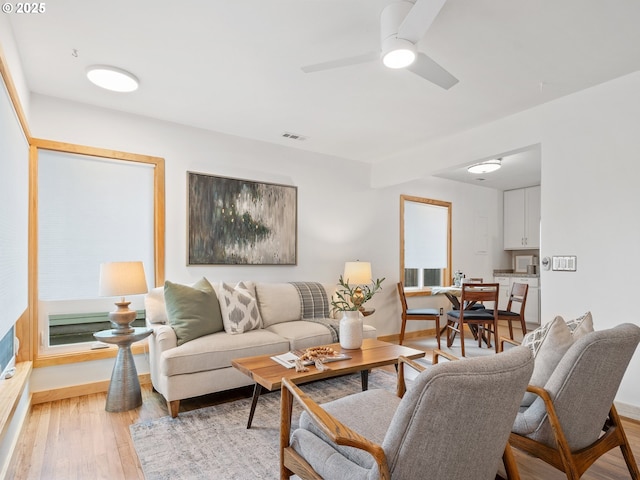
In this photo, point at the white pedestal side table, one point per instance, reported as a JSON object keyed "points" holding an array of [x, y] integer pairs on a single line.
{"points": [[124, 390]]}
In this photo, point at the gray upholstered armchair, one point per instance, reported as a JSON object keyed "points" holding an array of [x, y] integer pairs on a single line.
{"points": [[453, 423], [573, 421]]}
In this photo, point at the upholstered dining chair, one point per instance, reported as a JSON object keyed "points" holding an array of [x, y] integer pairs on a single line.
{"points": [[416, 314], [441, 428], [518, 295], [573, 422], [480, 321]]}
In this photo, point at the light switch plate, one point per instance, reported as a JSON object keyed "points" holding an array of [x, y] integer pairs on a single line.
{"points": [[565, 263]]}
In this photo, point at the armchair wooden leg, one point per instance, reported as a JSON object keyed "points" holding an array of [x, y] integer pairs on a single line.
{"points": [[286, 407], [510, 466], [627, 454]]}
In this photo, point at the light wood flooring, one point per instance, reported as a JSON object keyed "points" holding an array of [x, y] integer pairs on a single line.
{"points": [[76, 439]]}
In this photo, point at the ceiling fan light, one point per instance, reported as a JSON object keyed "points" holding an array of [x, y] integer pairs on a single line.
{"points": [[485, 167], [398, 53], [112, 78], [400, 58]]}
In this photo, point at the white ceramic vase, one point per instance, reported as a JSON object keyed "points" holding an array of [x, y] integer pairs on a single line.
{"points": [[351, 330]]}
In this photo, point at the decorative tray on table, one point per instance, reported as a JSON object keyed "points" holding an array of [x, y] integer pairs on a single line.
{"points": [[309, 356]]}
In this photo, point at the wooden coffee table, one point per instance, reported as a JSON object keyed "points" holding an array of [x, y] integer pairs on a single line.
{"points": [[268, 374]]}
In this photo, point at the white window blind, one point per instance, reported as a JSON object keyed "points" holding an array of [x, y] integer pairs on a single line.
{"points": [[14, 215], [426, 233], [91, 210]]}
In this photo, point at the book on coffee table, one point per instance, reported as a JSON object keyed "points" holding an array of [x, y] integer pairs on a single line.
{"points": [[288, 359]]}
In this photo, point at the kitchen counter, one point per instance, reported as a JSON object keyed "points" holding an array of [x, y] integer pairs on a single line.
{"points": [[510, 273]]}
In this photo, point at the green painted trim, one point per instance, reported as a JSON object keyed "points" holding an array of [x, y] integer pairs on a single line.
{"points": [[81, 318]]}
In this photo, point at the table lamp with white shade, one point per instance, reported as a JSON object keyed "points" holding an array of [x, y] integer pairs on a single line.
{"points": [[118, 279], [357, 273], [357, 286]]}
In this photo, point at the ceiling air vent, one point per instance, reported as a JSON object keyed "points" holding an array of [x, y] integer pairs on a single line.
{"points": [[294, 136]]}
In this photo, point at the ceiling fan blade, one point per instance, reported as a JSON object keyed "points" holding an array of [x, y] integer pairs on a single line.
{"points": [[343, 62], [430, 70], [419, 19]]}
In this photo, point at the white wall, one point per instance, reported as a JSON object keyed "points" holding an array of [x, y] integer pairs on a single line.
{"points": [[10, 53], [590, 197], [340, 217], [8, 50]]}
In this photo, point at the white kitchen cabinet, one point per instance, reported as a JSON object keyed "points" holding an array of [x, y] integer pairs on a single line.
{"points": [[505, 289], [522, 219], [532, 308]]}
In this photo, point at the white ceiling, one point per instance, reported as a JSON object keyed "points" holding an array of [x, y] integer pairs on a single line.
{"points": [[233, 66], [519, 169]]}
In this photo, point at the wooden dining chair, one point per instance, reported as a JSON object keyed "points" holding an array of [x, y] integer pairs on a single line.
{"points": [[416, 314], [518, 294], [485, 322], [476, 306]]}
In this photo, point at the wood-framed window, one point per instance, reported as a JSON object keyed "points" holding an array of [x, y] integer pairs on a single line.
{"points": [[425, 243], [88, 206]]}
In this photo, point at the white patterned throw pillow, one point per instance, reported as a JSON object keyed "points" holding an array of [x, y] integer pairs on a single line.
{"points": [[239, 308], [580, 326]]}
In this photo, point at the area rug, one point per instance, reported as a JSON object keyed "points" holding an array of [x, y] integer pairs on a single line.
{"points": [[470, 346], [214, 443]]}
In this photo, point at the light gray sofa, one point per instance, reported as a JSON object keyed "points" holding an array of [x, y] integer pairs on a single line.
{"points": [[203, 366]]}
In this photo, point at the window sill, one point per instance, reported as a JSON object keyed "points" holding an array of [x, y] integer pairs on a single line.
{"points": [[10, 393], [50, 360]]}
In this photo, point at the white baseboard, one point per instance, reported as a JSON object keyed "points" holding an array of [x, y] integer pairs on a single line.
{"points": [[627, 410]]}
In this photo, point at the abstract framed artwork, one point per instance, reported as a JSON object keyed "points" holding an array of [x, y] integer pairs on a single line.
{"points": [[233, 221]]}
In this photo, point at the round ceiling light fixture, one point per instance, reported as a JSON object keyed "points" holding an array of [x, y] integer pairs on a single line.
{"points": [[485, 167], [112, 78], [398, 53]]}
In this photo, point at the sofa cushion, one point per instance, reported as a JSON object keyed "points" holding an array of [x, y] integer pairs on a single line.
{"points": [[216, 351], [239, 308], [278, 302], [303, 334], [193, 311]]}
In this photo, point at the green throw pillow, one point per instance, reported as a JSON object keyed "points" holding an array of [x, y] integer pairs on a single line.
{"points": [[192, 311]]}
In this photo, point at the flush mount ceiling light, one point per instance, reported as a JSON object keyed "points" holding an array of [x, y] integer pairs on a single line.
{"points": [[486, 167], [112, 78]]}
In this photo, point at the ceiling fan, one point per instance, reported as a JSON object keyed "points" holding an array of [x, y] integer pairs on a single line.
{"points": [[402, 25]]}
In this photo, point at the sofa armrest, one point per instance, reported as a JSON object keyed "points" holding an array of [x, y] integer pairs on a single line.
{"points": [[164, 338]]}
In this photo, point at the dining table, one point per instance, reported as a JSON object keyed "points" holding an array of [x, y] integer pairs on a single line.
{"points": [[454, 293], [451, 292]]}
